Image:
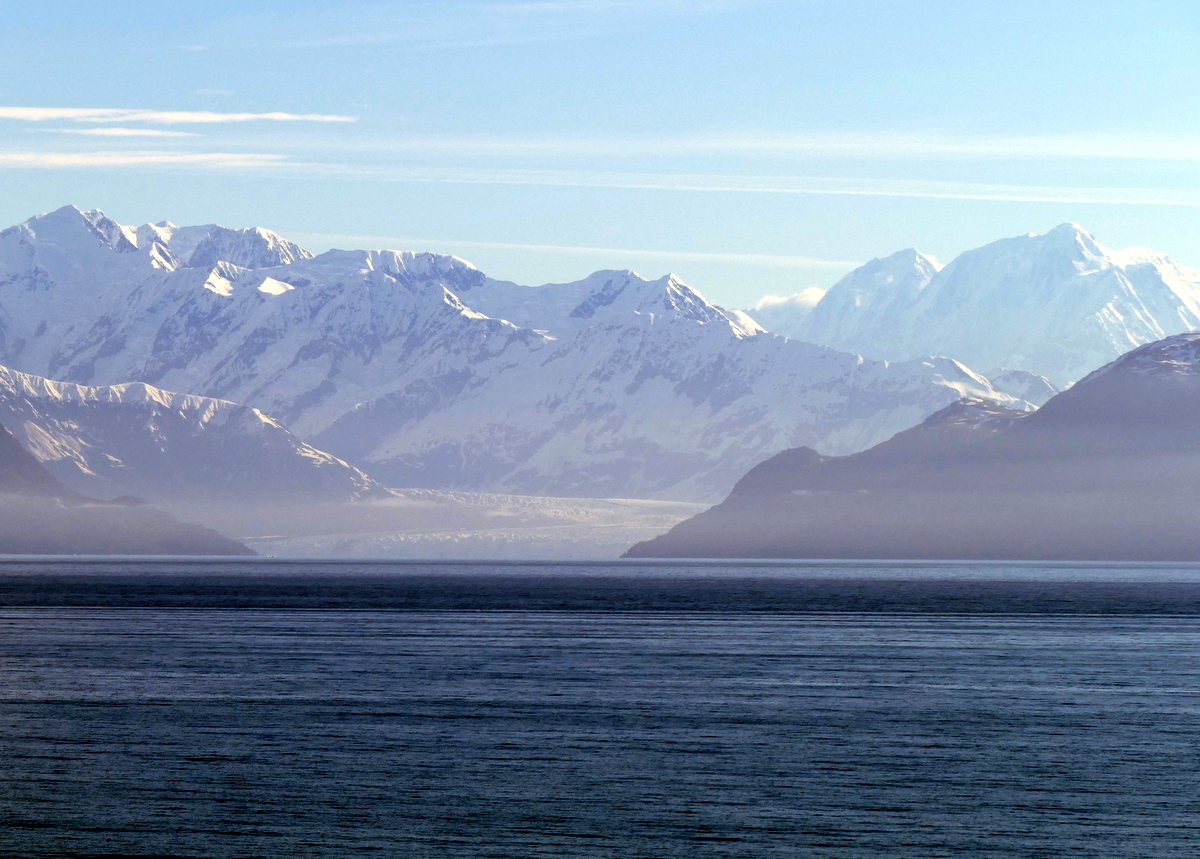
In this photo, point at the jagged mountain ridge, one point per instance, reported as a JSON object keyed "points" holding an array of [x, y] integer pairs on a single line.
{"points": [[134, 439], [425, 372], [1107, 470], [1057, 305]]}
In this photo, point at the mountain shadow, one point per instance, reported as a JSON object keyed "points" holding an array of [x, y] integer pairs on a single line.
{"points": [[40, 516], [1107, 470]]}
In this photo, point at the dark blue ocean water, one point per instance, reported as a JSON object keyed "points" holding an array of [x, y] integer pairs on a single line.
{"points": [[684, 711]]}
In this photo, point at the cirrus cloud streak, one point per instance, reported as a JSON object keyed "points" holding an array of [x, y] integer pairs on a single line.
{"points": [[889, 145], [165, 117], [69, 160], [739, 184], [124, 132], [277, 164]]}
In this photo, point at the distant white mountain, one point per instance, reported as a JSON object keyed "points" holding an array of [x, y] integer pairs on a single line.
{"points": [[1057, 305], [425, 372], [135, 439]]}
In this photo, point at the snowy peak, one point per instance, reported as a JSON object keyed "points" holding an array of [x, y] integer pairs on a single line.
{"points": [[1072, 240], [1042, 261], [200, 247], [413, 269], [678, 298], [864, 303], [70, 226], [251, 248], [1055, 305], [603, 298], [92, 235], [627, 291], [905, 272], [119, 238]]}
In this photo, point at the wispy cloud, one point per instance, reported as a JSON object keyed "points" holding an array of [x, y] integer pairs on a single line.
{"points": [[124, 132], [1148, 147], [279, 164], [738, 184], [760, 260], [212, 160], [166, 117]]}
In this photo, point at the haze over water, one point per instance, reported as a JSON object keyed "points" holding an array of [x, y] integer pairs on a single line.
{"points": [[680, 710]]}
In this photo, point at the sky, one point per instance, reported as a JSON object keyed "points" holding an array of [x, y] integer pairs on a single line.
{"points": [[752, 147]]}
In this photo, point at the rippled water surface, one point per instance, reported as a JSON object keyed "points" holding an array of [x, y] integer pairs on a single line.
{"points": [[493, 732]]}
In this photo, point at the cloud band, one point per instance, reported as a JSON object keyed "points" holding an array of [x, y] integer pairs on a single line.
{"points": [[165, 117]]}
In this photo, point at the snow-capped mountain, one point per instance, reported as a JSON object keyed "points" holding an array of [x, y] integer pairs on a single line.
{"points": [[425, 372], [1056, 305], [134, 439]]}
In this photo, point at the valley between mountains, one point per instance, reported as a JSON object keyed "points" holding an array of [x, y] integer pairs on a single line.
{"points": [[372, 402]]}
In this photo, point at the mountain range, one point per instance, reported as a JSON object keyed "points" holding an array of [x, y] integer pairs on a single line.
{"points": [[165, 447], [215, 369], [1057, 305], [423, 372], [1106, 470]]}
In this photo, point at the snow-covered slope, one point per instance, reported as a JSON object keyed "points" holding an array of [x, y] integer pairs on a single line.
{"points": [[1057, 305], [427, 373], [134, 439]]}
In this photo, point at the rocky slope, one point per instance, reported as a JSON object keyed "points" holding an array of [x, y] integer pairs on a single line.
{"points": [[423, 371], [1107, 470]]}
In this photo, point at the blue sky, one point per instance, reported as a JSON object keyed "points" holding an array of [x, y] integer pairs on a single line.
{"points": [[751, 146]]}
